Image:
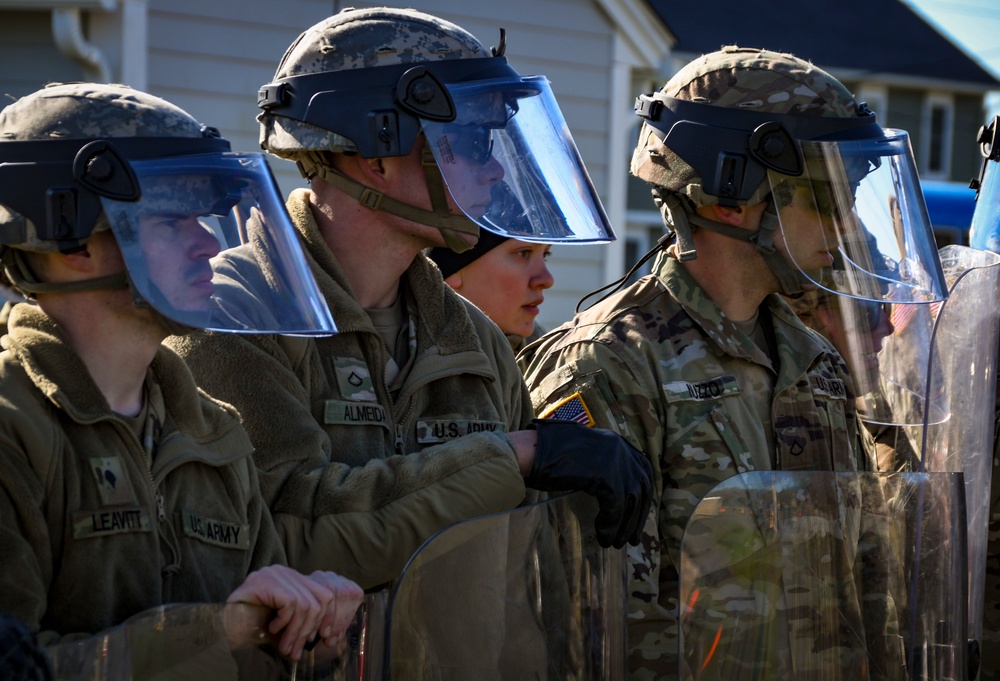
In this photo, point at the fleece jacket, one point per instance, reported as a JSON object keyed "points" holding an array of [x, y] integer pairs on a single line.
{"points": [[97, 523], [358, 476]]}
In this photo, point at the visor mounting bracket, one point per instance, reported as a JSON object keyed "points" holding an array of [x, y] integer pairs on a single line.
{"points": [[100, 168], [422, 94], [773, 147]]}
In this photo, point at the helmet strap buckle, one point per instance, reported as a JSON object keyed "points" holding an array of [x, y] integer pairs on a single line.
{"points": [[371, 199]]}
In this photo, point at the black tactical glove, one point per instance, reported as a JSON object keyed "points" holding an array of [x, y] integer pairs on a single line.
{"points": [[570, 456]]}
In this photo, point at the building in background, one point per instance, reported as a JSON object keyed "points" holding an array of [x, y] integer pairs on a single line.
{"points": [[210, 58]]}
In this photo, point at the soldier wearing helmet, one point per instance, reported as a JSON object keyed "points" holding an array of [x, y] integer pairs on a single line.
{"points": [[123, 487], [415, 415], [770, 178]]}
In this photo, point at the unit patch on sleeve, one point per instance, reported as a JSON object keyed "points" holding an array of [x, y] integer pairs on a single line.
{"points": [[573, 408]]}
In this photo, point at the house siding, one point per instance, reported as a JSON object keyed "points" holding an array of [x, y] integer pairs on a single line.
{"points": [[28, 55], [965, 159], [210, 58]]}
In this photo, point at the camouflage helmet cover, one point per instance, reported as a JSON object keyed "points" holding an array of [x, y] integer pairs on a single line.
{"points": [[64, 111], [359, 39], [746, 79]]}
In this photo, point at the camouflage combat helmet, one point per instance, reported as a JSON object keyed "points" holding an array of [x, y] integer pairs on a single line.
{"points": [[362, 81], [182, 208], [65, 147], [757, 85], [727, 122], [354, 41], [60, 208]]}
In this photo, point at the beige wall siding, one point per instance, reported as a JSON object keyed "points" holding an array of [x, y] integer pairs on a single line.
{"points": [[28, 55], [570, 42], [210, 58]]}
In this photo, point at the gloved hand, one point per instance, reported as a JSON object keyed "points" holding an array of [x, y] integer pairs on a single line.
{"points": [[569, 456]]}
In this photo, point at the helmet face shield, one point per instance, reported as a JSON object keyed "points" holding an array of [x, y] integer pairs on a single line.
{"points": [[887, 349], [209, 245], [854, 222], [510, 163]]}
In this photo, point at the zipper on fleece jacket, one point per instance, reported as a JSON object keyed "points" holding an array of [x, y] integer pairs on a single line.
{"points": [[167, 533]]}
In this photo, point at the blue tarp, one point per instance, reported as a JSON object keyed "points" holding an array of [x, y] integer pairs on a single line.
{"points": [[950, 206]]}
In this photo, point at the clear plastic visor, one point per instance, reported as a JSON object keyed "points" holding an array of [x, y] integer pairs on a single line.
{"points": [[209, 245], [510, 164], [855, 222], [985, 232], [911, 361]]}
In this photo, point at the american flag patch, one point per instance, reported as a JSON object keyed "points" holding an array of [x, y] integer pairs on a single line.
{"points": [[573, 408]]}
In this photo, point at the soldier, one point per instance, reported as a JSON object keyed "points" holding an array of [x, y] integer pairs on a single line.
{"points": [[415, 415], [505, 278], [710, 374], [122, 486], [857, 329]]}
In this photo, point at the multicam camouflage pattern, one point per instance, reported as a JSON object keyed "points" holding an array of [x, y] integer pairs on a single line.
{"points": [[84, 111], [894, 451], [659, 363], [739, 78], [359, 39]]}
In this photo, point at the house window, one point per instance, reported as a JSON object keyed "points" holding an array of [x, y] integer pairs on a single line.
{"points": [[936, 133]]}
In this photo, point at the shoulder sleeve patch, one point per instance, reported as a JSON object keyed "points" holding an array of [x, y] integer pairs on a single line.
{"points": [[573, 408]]}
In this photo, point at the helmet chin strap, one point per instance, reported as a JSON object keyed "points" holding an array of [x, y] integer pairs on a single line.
{"points": [[450, 225], [680, 218], [24, 280]]}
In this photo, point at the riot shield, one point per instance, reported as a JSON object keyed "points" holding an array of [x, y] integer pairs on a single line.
{"points": [[926, 377], [965, 349], [526, 594], [825, 576], [205, 641]]}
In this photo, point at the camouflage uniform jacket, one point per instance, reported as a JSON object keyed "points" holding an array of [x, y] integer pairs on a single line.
{"points": [[99, 525], [656, 363], [357, 478]]}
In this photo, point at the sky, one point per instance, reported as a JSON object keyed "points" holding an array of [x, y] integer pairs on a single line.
{"points": [[973, 25]]}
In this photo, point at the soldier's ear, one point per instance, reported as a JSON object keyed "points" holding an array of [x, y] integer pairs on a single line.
{"points": [[81, 261], [730, 215], [375, 166]]}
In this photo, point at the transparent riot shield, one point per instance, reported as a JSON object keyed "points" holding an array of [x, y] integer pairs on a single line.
{"points": [[526, 594], [964, 346], [208, 641], [825, 576]]}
